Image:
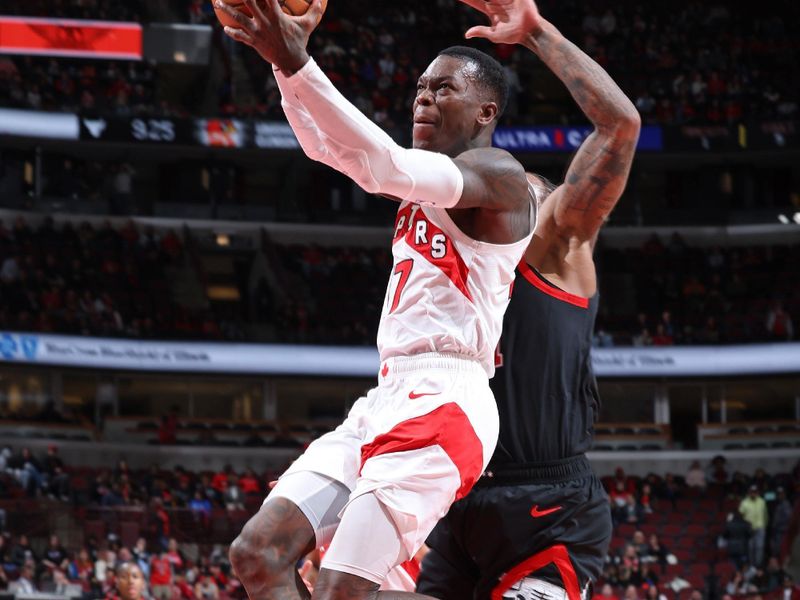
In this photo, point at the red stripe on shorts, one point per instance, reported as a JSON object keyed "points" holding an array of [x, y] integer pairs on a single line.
{"points": [[556, 555], [447, 427]]}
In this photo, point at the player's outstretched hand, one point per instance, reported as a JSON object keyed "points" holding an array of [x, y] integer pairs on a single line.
{"points": [[511, 20], [279, 38]]}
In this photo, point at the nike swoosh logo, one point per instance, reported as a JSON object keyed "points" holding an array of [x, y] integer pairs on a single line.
{"points": [[536, 513], [414, 396]]}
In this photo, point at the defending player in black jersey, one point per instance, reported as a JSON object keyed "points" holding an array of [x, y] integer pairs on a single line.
{"points": [[537, 524]]}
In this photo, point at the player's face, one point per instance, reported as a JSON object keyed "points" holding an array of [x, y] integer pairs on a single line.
{"points": [[130, 583], [447, 106]]}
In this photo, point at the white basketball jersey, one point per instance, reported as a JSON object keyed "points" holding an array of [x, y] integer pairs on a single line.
{"points": [[447, 292]]}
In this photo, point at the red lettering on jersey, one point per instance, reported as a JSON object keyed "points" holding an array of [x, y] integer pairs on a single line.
{"points": [[498, 356], [431, 242]]}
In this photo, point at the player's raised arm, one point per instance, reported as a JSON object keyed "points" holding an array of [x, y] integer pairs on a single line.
{"points": [[471, 175], [599, 171]]}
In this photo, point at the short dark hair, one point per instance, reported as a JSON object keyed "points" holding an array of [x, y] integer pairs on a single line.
{"points": [[490, 72]]}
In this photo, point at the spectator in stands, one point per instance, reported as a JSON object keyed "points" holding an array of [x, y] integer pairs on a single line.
{"points": [[185, 589], [661, 337], [104, 569], [25, 583], [206, 588], [219, 483], [142, 556], [643, 338], [61, 586], [82, 570], [57, 478], [790, 590], [639, 542], [631, 593], [167, 432], [737, 537], [606, 593], [250, 484], [161, 577], [233, 496], [738, 585], [618, 497], [130, 583], [717, 472], [695, 476], [754, 510], [779, 523], [611, 572], [771, 578], [779, 324], [200, 506], [55, 556], [630, 567], [631, 512], [645, 497], [761, 480], [667, 488], [653, 593], [5, 561], [174, 555], [160, 522], [22, 553], [28, 471], [656, 551]]}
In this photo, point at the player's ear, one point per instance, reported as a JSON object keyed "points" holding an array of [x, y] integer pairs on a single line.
{"points": [[488, 113]]}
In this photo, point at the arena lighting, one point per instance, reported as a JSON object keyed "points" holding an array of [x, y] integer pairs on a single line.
{"points": [[70, 37], [796, 217], [784, 219]]}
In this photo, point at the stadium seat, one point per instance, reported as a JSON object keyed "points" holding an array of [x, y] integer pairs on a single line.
{"points": [[699, 569], [672, 529], [684, 555], [696, 530]]}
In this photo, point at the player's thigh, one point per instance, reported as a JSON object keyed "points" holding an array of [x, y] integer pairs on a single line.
{"points": [[442, 577], [366, 545]]}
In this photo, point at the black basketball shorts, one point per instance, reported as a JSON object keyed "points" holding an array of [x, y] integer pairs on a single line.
{"points": [[551, 520]]}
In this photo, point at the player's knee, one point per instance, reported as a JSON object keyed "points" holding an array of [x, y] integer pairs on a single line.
{"points": [[270, 544], [247, 556]]}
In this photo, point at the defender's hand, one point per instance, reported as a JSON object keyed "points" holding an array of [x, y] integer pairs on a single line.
{"points": [[279, 38], [512, 20]]}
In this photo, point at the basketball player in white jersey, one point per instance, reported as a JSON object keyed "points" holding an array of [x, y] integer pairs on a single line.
{"points": [[419, 440]]}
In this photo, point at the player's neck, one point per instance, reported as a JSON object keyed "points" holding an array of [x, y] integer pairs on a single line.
{"points": [[472, 144]]}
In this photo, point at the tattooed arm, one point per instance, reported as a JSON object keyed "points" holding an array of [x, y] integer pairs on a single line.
{"points": [[599, 171]]}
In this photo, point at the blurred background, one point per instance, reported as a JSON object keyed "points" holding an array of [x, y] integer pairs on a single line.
{"points": [[186, 300]]}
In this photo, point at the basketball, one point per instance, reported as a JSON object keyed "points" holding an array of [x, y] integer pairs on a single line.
{"points": [[235, 4], [295, 8]]}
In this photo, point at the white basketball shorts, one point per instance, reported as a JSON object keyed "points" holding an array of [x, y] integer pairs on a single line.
{"points": [[418, 441]]}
